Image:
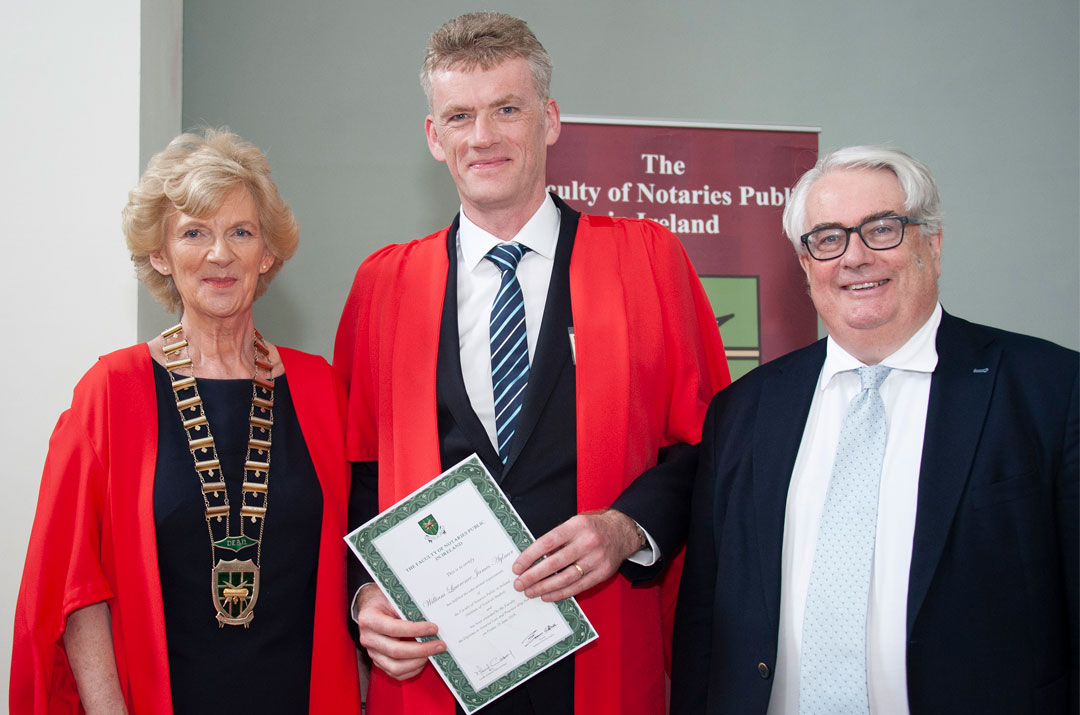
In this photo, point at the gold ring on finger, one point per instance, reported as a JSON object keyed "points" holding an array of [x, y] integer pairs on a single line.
{"points": [[578, 567]]}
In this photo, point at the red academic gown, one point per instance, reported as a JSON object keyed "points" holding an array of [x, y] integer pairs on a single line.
{"points": [[649, 359], [94, 540]]}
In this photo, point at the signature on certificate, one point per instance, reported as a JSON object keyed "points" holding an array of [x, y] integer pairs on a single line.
{"points": [[539, 636], [489, 667]]}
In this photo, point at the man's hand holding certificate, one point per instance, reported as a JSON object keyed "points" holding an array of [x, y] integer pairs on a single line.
{"points": [[580, 553], [443, 556], [382, 631]]}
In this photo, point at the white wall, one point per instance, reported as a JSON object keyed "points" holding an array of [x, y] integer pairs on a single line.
{"points": [[71, 79]]}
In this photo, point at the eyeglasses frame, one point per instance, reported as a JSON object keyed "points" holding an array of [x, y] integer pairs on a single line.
{"points": [[904, 221]]}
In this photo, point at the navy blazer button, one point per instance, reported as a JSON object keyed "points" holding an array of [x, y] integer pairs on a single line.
{"points": [[763, 670]]}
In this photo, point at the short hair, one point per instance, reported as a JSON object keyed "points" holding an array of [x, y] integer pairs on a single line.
{"points": [[485, 40], [194, 174], [921, 197]]}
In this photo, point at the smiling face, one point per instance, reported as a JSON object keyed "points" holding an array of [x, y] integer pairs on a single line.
{"points": [[492, 129], [215, 261], [870, 301]]}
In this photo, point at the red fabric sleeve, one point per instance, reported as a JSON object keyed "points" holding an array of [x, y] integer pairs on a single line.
{"points": [[64, 570], [361, 440], [649, 361], [386, 349], [698, 369]]}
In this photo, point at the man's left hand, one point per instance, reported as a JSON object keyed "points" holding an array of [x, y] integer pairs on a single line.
{"points": [[580, 553]]}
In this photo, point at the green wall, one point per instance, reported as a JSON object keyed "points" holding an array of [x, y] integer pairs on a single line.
{"points": [[984, 92]]}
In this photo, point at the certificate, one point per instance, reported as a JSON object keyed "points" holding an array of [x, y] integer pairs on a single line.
{"points": [[443, 554]]}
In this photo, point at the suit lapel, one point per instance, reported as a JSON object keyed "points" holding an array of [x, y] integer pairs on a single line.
{"points": [[448, 371], [960, 392], [553, 343], [778, 429]]}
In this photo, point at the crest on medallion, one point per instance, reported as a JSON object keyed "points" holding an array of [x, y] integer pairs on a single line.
{"points": [[236, 588]]}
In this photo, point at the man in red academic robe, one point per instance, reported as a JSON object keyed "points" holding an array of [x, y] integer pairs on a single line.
{"points": [[618, 355]]}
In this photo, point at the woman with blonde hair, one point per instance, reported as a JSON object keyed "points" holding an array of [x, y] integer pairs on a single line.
{"points": [[186, 555]]}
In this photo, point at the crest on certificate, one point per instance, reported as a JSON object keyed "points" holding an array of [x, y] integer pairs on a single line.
{"points": [[430, 526]]}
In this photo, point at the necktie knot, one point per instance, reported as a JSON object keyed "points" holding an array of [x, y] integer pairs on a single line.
{"points": [[873, 375], [506, 256]]}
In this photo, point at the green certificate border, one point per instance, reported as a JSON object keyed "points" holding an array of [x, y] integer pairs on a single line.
{"points": [[362, 543]]}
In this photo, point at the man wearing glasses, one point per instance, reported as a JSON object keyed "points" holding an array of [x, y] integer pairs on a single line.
{"points": [[884, 521]]}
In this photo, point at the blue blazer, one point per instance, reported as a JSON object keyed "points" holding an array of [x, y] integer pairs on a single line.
{"points": [[992, 596]]}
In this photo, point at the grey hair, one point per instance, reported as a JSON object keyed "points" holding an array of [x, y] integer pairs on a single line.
{"points": [[485, 40], [921, 197]]}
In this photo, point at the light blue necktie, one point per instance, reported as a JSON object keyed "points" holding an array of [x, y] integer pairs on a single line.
{"points": [[832, 671], [509, 346]]}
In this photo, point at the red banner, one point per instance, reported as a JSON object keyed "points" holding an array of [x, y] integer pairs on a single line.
{"points": [[722, 190]]}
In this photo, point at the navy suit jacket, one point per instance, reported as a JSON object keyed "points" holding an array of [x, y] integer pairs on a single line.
{"points": [[992, 596]]}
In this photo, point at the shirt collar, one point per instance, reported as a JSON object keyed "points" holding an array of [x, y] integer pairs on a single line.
{"points": [[540, 234], [918, 354]]}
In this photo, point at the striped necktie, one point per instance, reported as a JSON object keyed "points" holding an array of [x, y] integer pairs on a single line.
{"points": [[832, 659], [509, 346]]}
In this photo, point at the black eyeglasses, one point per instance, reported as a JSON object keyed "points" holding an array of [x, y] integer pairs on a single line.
{"points": [[879, 234]]}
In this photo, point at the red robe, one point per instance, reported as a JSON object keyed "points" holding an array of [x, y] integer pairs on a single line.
{"points": [[649, 359], [94, 540]]}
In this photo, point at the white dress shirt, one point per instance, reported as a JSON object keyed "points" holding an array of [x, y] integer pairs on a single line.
{"points": [[906, 393], [478, 282]]}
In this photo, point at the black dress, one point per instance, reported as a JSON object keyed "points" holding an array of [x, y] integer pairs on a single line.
{"points": [[265, 668]]}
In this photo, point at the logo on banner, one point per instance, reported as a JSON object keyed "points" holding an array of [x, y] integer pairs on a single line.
{"points": [[736, 305]]}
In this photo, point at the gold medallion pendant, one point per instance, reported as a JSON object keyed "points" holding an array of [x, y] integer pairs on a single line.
{"points": [[236, 588], [234, 585]]}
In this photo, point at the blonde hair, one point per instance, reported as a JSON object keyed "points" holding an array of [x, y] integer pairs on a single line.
{"points": [[485, 40], [194, 174]]}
